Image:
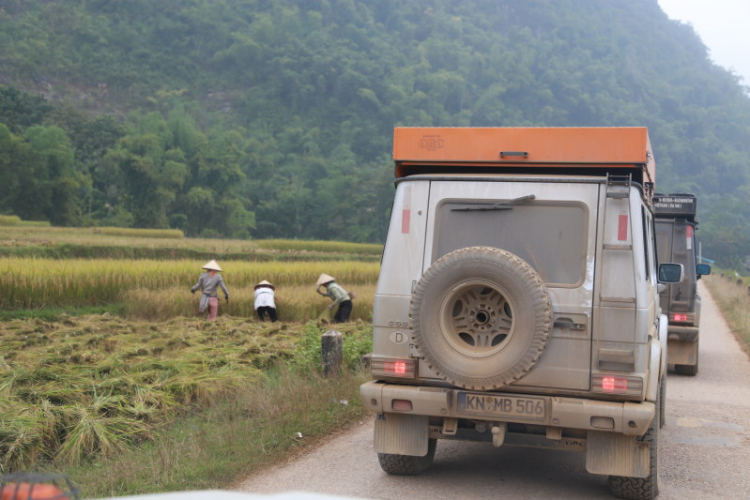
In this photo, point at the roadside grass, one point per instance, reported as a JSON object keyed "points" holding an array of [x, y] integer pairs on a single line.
{"points": [[99, 387], [234, 438], [731, 293]]}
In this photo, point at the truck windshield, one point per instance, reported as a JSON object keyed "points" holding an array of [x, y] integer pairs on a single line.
{"points": [[550, 236]]}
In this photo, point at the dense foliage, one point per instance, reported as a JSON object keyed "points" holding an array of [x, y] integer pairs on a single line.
{"points": [[274, 119]]}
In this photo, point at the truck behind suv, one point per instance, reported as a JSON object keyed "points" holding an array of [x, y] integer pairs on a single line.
{"points": [[517, 301], [676, 223]]}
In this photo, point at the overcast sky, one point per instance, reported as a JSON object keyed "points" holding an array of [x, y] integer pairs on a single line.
{"points": [[724, 27]]}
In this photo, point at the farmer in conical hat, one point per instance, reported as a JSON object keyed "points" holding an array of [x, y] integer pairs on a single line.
{"points": [[339, 296], [209, 282], [265, 300]]}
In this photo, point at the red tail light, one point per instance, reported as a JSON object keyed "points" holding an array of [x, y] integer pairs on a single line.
{"points": [[389, 367], [681, 317], [610, 383], [614, 384], [398, 368]]}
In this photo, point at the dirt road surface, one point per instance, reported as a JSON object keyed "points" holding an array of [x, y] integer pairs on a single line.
{"points": [[705, 448]]}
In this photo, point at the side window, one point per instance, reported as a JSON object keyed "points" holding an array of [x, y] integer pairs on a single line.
{"points": [[648, 241], [644, 224]]}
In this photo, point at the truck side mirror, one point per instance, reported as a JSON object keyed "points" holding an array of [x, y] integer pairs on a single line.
{"points": [[703, 270], [671, 273]]}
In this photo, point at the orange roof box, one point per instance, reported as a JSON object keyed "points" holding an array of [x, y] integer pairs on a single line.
{"points": [[595, 150]]}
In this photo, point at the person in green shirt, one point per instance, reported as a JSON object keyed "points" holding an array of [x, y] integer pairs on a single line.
{"points": [[339, 296]]}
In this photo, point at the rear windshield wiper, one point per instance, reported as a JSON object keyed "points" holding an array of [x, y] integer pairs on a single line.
{"points": [[506, 205]]}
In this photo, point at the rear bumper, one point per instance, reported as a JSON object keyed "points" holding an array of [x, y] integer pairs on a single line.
{"points": [[626, 418], [683, 333]]}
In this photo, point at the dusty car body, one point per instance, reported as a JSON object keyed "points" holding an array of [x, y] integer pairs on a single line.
{"points": [[518, 300], [676, 225]]}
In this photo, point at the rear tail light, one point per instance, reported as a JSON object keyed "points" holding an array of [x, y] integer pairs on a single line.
{"points": [[608, 383], [681, 317], [390, 367]]}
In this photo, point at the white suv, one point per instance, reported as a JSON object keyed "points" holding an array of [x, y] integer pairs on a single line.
{"points": [[518, 300]]}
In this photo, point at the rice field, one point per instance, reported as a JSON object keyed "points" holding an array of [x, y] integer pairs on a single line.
{"points": [[85, 386], [39, 283], [93, 386], [23, 239]]}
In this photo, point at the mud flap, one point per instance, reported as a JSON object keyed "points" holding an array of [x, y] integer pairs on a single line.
{"points": [[613, 454], [398, 434], [682, 352]]}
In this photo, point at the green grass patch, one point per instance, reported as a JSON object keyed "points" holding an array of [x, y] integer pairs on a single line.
{"points": [[55, 314], [14, 220], [17, 239], [113, 252], [10, 220], [35, 223], [323, 246], [138, 233]]}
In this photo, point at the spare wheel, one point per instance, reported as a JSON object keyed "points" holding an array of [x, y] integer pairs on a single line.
{"points": [[480, 317]]}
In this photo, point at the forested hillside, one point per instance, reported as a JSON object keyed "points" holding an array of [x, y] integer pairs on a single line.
{"points": [[257, 118]]}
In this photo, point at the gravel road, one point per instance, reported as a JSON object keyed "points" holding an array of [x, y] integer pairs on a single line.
{"points": [[705, 448]]}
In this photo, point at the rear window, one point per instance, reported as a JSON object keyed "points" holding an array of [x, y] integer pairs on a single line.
{"points": [[663, 241], [550, 236], [674, 245]]}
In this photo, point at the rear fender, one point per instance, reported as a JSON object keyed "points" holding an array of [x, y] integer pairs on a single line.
{"points": [[657, 359]]}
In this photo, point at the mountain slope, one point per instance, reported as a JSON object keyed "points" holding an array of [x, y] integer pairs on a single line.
{"points": [[303, 96]]}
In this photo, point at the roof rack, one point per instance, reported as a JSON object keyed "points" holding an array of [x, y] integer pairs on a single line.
{"points": [[597, 151]]}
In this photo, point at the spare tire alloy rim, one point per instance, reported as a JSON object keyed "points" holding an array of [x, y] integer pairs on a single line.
{"points": [[476, 318]]}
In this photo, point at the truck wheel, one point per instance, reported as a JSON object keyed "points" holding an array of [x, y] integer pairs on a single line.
{"points": [[690, 370], [406, 465], [480, 317], [642, 488]]}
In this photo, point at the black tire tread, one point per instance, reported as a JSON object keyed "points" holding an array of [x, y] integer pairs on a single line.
{"points": [[406, 465], [689, 370], [642, 488]]}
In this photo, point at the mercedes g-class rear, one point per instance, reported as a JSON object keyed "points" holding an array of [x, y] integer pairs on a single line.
{"points": [[676, 224], [517, 301]]}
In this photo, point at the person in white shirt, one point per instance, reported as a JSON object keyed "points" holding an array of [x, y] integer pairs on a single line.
{"points": [[264, 301]]}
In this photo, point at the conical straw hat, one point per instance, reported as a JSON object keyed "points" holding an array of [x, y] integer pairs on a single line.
{"points": [[265, 283], [212, 266], [324, 278]]}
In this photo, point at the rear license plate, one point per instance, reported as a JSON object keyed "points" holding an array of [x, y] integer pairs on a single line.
{"points": [[502, 406]]}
